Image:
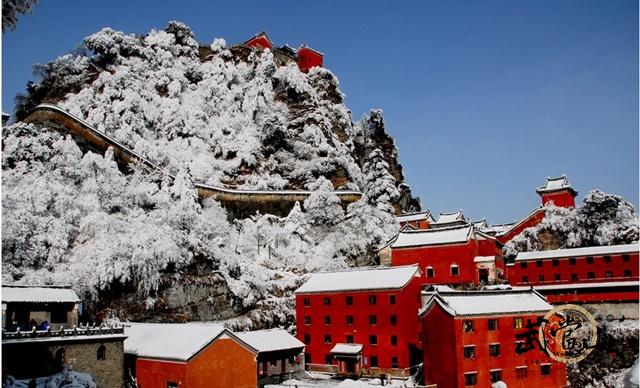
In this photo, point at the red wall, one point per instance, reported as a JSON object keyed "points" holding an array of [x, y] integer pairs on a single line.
{"points": [[441, 257], [440, 350], [308, 58], [406, 329], [516, 271], [152, 373], [593, 295], [259, 42], [224, 363], [559, 198]]}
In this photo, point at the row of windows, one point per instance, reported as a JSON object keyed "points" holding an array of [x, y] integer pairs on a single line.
{"points": [[348, 300], [574, 276], [454, 270], [350, 320], [572, 261], [470, 350], [471, 378], [373, 360], [492, 324], [373, 339]]}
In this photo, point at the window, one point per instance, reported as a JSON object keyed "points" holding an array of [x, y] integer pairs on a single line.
{"points": [[455, 271], [328, 359], [520, 347], [101, 354], [591, 275], [521, 372], [327, 301], [574, 276], [589, 260], [372, 299], [545, 369], [394, 361], [469, 352], [471, 378], [541, 278], [349, 319], [517, 323], [58, 315], [539, 263], [374, 361], [348, 300], [607, 259], [307, 320], [523, 264], [627, 273], [430, 272], [392, 299], [349, 339], [494, 350], [373, 319], [608, 274], [625, 258], [572, 261], [394, 340], [393, 319], [467, 326], [327, 338], [556, 277], [525, 279], [373, 339], [307, 338], [496, 375], [306, 302], [493, 324], [172, 384], [555, 262], [327, 319]]}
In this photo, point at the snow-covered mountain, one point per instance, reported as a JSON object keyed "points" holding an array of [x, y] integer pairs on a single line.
{"points": [[140, 244]]}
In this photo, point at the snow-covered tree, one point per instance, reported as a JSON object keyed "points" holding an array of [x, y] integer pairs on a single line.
{"points": [[12, 8], [380, 187], [603, 219]]}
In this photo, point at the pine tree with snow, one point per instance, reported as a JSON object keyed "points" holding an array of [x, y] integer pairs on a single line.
{"points": [[380, 187], [322, 207]]}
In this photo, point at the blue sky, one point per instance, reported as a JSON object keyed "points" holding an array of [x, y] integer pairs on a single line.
{"points": [[485, 99]]}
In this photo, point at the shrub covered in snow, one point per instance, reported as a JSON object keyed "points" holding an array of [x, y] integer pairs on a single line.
{"points": [[603, 219]]}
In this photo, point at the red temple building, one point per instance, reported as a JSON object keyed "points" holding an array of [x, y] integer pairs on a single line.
{"points": [[580, 275], [420, 220], [450, 255], [260, 40], [361, 320], [309, 58], [558, 191], [470, 340]]}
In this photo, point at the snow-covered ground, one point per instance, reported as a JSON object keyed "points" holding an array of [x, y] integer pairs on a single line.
{"points": [[319, 380]]}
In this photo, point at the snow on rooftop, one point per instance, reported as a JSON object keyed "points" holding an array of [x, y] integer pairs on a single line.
{"points": [[446, 218], [491, 302], [414, 216], [173, 341], [572, 286], [432, 237], [270, 340], [481, 224], [347, 348], [353, 280], [553, 184], [38, 295], [484, 259], [572, 252]]}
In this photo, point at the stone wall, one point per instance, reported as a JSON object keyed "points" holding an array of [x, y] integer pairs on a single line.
{"points": [[82, 357]]}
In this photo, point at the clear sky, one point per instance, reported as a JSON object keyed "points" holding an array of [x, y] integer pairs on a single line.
{"points": [[484, 98]]}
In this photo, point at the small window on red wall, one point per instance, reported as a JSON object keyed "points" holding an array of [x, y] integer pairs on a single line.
{"points": [[455, 271], [430, 272]]}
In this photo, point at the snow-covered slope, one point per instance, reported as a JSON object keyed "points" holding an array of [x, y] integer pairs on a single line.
{"points": [[140, 244]]}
